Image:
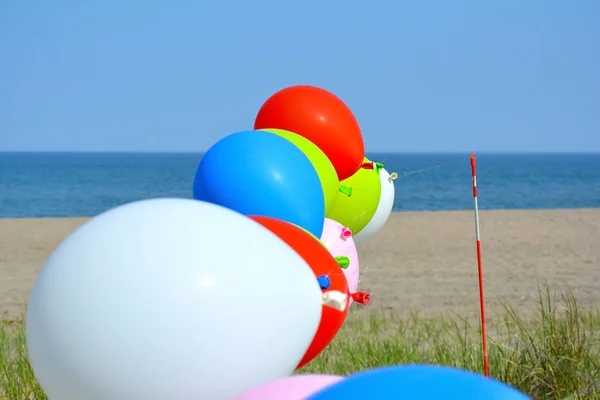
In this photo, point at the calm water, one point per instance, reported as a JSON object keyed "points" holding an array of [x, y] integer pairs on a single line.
{"points": [[61, 185]]}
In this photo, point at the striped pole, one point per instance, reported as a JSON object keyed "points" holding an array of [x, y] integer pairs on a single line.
{"points": [[479, 269]]}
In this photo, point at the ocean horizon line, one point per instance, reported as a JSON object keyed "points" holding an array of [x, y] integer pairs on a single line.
{"points": [[455, 153]]}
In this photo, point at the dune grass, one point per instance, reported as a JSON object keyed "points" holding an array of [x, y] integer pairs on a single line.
{"points": [[553, 354]]}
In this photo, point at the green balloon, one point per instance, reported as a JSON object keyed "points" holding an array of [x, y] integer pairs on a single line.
{"points": [[358, 198], [324, 168]]}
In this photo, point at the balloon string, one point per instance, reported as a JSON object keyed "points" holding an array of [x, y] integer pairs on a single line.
{"points": [[420, 171], [363, 274]]}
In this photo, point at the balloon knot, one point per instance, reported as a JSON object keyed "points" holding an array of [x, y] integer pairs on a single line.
{"points": [[378, 166], [324, 282], [393, 177], [346, 233], [343, 261], [361, 297], [346, 190], [368, 165]]}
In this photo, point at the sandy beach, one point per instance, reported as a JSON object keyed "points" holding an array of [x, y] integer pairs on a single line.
{"points": [[421, 262]]}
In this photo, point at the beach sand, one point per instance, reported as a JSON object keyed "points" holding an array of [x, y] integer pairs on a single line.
{"points": [[420, 262]]}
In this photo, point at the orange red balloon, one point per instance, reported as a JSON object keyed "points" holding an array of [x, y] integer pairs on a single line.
{"points": [[323, 264], [321, 117]]}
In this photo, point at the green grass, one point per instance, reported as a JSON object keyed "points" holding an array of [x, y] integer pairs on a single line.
{"points": [[554, 354]]}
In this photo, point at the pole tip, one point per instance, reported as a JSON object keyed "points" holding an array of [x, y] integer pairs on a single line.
{"points": [[472, 157]]}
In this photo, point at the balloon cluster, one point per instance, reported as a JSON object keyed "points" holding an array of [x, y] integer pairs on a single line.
{"points": [[226, 295]]}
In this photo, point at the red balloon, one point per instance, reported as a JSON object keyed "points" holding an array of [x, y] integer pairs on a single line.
{"points": [[322, 118], [322, 264]]}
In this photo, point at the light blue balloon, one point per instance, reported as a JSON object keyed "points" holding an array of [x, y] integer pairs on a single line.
{"points": [[257, 173], [418, 382]]}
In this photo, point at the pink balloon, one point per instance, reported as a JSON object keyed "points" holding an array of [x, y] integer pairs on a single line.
{"points": [[296, 387], [339, 242]]}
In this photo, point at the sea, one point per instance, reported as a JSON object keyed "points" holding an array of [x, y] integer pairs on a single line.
{"points": [[86, 184]]}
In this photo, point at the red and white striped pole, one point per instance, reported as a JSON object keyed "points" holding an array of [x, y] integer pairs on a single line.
{"points": [[479, 268]]}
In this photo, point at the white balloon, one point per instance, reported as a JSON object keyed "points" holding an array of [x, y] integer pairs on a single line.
{"points": [[384, 209], [169, 299]]}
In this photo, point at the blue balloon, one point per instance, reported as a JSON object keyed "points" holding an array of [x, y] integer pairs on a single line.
{"points": [[262, 174], [423, 382]]}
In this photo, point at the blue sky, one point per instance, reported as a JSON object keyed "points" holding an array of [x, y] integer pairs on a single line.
{"points": [[422, 76]]}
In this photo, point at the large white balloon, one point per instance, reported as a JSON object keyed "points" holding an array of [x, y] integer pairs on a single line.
{"points": [[169, 299], [384, 209]]}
